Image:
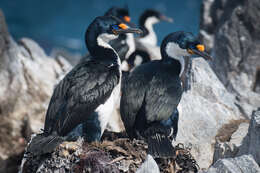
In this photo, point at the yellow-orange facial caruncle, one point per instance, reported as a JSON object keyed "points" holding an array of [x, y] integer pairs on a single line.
{"points": [[127, 18], [200, 47], [123, 26]]}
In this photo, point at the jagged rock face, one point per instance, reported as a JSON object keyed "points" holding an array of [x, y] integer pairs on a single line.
{"points": [[251, 142], [27, 77], [231, 28], [203, 110], [228, 146], [243, 147], [242, 164]]}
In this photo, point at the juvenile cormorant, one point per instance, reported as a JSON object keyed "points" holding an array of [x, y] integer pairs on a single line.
{"points": [[83, 101], [153, 91]]}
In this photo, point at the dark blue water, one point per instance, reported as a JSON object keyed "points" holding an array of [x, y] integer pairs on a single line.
{"points": [[62, 23]]}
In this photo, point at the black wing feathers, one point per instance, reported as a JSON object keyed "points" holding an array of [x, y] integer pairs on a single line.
{"points": [[163, 96], [133, 95], [82, 90], [154, 85], [133, 92]]}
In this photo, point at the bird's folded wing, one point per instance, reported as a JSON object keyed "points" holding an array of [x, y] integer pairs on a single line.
{"points": [[133, 93], [82, 90]]}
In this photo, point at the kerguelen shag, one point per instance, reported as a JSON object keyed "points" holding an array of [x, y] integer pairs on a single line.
{"points": [[83, 101], [153, 91], [146, 43]]}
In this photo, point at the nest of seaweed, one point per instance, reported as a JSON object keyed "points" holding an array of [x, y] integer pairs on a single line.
{"points": [[115, 154]]}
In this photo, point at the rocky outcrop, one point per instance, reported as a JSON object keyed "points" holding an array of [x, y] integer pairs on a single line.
{"points": [[242, 164], [243, 142], [251, 142], [203, 110], [27, 77], [231, 29], [229, 139]]}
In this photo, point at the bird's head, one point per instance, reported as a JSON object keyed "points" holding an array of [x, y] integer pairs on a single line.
{"points": [[121, 13], [107, 28], [135, 59], [151, 16], [180, 44]]}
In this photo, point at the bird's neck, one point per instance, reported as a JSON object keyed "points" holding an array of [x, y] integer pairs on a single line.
{"points": [[131, 44], [100, 49], [149, 35], [171, 54], [175, 64]]}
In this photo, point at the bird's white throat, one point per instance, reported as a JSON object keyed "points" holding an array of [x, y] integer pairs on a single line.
{"points": [[130, 40], [151, 38], [173, 50], [103, 39]]}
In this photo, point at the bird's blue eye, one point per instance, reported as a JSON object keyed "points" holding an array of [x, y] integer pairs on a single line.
{"points": [[115, 27], [192, 46]]}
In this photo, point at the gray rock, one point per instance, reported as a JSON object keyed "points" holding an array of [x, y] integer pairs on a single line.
{"points": [[27, 77], [236, 60], [251, 142], [231, 30], [203, 110], [230, 148], [149, 165], [242, 164], [73, 59], [212, 14]]}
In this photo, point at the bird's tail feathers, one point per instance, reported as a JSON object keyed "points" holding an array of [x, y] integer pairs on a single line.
{"points": [[41, 144], [159, 146]]}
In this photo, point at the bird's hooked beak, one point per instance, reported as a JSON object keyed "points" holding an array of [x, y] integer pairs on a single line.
{"points": [[199, 50], [167, 19], [123, 28]]}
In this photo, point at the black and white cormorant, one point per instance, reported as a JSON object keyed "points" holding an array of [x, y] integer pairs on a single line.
{"points": [[146, 44], [83, 101], [146, 22], [153, 91]]}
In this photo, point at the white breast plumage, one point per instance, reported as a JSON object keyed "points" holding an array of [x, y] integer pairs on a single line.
{"points": [[105, 110]]}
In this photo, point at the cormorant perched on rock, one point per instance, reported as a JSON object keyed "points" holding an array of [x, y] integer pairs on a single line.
{"points": [[84, 100], [153, 91]]}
